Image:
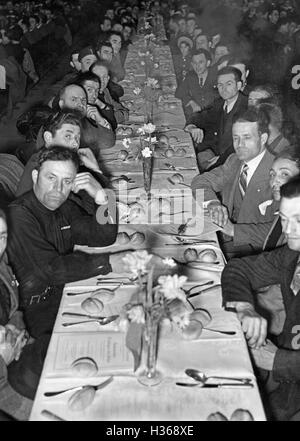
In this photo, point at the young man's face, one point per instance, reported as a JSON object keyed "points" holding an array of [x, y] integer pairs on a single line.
{"points": [[200, 64], [283, 169], [290, 221], [67, 136], [228, 87], [202, 42], [3, 236], [106, 53], [92, 89], [53, 183], [87, 61], [247, 141], [116, 42], [106, 25], [102, 73]]}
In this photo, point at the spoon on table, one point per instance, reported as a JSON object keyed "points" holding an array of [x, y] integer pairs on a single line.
{"points": [[179, 183], [202, 378], [213, 385], [103, 321], [97, 387]]}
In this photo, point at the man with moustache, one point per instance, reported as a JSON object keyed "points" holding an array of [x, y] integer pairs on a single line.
{"points": [[242, 278]]}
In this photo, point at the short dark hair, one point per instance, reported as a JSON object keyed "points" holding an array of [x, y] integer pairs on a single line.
{"points": [[57, 153], [102, 43], [255, 115], [3, 215], [291, 189], [56, 120], [202, 51], [82, 77], [291, 153], [274, 112], [230, 70], [111, 33]]}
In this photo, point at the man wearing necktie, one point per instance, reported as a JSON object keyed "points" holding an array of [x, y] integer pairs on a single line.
{"points": [[236, 194], [242, 278]]}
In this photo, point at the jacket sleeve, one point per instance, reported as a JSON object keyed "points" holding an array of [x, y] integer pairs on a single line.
{"points": [[241, 278], [183, 92], [253, 234], [212, 182], [287, 365], [36, 260]]}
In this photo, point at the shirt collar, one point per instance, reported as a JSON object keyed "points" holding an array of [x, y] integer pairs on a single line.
{"points": [[230, 106], [253, 164]]}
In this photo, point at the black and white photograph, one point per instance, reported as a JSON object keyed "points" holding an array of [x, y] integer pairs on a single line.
{"points": [[150, 213]]}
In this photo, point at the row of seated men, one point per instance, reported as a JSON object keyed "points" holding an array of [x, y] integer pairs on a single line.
{"points": [[242, 196]]}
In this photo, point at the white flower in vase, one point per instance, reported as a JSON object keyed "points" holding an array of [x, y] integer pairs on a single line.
{"points": [[147, 152], [148, 128], [168, 261], [171, 287], [136, 262]]}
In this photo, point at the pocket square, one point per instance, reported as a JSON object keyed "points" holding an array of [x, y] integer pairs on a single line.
{"points": [[263, 206]]}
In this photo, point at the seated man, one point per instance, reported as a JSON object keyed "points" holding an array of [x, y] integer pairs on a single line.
{"points": [[197, 91], [241, 278], [116, 67], [86, 57], [242, 211], [61, 129], [95, 133], [45, 224], [276, 142], [211, 130], [91, 84], [105, 53], [20, 363], [101, 69]]}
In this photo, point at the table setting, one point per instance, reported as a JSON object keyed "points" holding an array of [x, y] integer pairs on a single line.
{"points": [[151, 342]]}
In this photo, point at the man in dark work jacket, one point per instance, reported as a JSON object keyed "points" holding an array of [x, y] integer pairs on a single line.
{"points": [[242, 278], [211, 129], [45, 225]]}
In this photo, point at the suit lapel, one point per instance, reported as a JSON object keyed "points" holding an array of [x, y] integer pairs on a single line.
{"points": [[259, 180]]}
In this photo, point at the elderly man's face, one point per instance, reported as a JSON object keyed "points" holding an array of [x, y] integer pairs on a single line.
{"points": [[92, 89], [247, 141], [283, 169], [228, 87], [87, 61], [67, 136], [3, 236], [74, 98], [290, 220], [53, 183]]}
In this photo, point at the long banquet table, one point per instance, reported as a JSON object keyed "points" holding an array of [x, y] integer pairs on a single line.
{"points": [[125, 399]]}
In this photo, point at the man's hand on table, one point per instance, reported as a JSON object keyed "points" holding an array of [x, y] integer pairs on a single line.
{"points": [[229, 228], [253, 325], [264, 356], [218, 213], [196, 133], [85, 181]]}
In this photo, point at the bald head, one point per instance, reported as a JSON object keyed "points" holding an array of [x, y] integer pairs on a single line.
{"points": [[73, 97]]}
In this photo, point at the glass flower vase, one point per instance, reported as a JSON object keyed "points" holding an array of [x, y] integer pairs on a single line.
{"points": [[147, 173], [150, 376]]}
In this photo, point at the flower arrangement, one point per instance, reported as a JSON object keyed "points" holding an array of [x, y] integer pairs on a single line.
{"points": [[152, 304], [147, 153]]}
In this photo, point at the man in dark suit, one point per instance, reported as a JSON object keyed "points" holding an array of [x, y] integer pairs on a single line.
{"points": [[244, 209], [197, 91], [242, 278], [211, 129]]}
